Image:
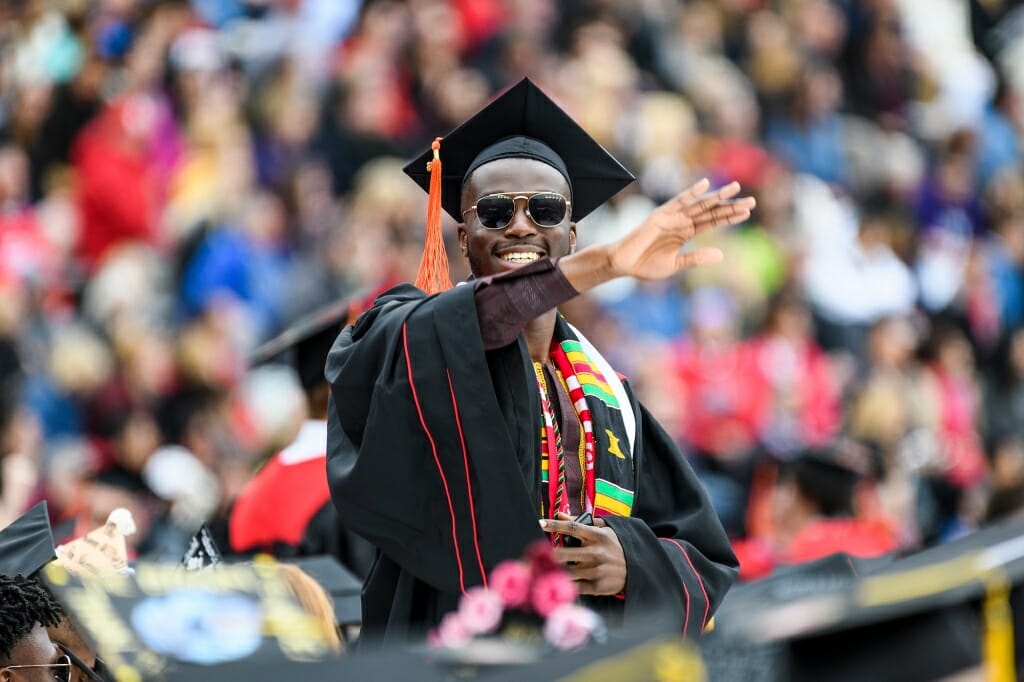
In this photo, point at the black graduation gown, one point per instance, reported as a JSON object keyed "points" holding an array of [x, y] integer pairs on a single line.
{"points": [[433, 457]]}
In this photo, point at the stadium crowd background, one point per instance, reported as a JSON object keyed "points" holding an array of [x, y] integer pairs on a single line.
{"points": [[180, 180]]}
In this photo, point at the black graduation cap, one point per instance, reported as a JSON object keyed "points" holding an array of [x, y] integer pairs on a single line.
{"points": [[344, 588], [937, 613], [309, 341], [829, 475], [524, 122], [27, 544]]}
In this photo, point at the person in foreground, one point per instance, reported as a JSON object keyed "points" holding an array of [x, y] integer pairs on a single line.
{"points": [[285, 509], [460, 420], [26, 651]]}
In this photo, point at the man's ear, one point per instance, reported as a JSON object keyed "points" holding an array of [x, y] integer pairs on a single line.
{"points": [[462, 240], [6, 675], [572, 237]]}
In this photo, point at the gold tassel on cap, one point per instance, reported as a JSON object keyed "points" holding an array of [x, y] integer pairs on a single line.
{"points": [[997, 643], [433, 276]]}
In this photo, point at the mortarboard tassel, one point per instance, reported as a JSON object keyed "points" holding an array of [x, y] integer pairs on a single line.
{"points": [[433, 276], [997, 644]]}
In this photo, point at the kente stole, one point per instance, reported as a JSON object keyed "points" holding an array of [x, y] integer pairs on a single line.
{"points": [[607, 429]]}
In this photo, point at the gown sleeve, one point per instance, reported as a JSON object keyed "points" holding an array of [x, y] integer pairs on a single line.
{"points": [[506, 302], [678, 559]]}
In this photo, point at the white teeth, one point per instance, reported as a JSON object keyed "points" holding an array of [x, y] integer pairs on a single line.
{"points": [[521, 257]]}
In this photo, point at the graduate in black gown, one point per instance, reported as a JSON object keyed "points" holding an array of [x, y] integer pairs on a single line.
{"points": [[466, 424], [286, 509]]}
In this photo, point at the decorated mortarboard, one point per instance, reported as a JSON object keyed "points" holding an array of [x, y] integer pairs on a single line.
{"points": [[523, 122], [27, 544], [308, 342], [232, 622], [102, 550]]}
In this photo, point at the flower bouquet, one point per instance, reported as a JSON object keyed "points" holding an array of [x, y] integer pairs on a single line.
{"points": [[526, 609]]}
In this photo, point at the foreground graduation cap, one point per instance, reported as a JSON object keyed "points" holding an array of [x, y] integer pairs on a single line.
{"points": [[524, 121], [309, 341], [27, 544], [945, 611], [165, 623]]}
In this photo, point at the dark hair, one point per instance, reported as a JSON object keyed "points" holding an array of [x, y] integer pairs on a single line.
{"points": [[24, 604], [827, 485]]}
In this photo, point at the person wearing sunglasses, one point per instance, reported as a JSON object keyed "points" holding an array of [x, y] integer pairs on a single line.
{"points": [[26, 652], [85, 664], [467, 423]]}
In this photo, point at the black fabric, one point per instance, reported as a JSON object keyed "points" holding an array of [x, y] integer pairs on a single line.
{"points": [[325, 535], [507, 301], [519, 147], [27, 544], [525, 112], [397, 377], [308, 340]]}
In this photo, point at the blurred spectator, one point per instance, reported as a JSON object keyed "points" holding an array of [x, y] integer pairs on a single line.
{"points": [[815, 513], [805, 410], [877, 63], [949, 378], [1007, 499], [1004, 396], [853, 283], [723, 403], [809, 136]]}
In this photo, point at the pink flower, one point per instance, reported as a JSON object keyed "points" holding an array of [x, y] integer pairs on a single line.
{"points": [[551, 590], [570, 626], [451, 633], [434, 638], [541, 557], [510, 580], [480, 610]]}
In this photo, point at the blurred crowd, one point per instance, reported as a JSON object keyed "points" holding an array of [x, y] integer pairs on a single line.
{"points": [[181, 180]]}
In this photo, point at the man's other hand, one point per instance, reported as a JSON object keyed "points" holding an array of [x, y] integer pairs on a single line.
{"points": [[599, 565]]}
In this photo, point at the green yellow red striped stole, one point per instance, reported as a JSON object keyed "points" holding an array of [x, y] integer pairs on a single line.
{"points": [[567, 367], [573, 361], [595, 400]]}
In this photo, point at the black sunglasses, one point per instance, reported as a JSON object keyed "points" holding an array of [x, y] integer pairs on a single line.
{"points": [[60, 671], [545, 209]]}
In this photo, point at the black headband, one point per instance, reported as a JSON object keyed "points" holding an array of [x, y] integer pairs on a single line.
{"points": [[519, 147]]}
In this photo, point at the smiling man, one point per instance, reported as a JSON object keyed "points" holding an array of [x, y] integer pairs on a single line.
{"points": [[466, 424]]}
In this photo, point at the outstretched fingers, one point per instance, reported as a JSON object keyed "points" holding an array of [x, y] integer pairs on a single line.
{"points": [[709, 200], [729, 213], [698, 257], [687, 196]]}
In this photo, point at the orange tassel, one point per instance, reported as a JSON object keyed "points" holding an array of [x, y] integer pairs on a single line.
{"points": [[433, 276]]}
